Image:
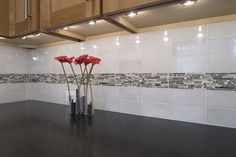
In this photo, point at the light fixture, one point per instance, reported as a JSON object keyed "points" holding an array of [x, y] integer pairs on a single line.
{"points": [[132, 14], [39, 34], [2, 38], [24, 37], [189, 2], [65, 28], [92, 22]]}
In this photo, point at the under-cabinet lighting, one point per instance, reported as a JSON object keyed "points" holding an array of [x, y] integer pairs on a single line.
{"points": [[132, 14], [2, 38], [92, 22], [39, 34], [189, 2], [65, 28], [23, 37]]}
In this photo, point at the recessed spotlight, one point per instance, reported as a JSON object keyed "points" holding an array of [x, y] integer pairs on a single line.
{"points": [[92, 22], [2, 38], [65, 28], [189, 2], [132, 14], [23, 37]]}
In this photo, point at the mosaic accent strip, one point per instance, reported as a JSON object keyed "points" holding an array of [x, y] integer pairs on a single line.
{"points": [[210, 81], [14, 78]]}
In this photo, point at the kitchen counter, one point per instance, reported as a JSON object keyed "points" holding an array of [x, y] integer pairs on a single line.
{"points": [[39, 129]]}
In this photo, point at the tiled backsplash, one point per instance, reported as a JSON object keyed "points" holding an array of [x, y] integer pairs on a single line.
{"points": [[186, 74]]}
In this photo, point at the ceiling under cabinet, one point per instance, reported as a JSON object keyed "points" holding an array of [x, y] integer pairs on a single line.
{"points": [[178, 13], [31, 42], [147, 18], [101, 27]]}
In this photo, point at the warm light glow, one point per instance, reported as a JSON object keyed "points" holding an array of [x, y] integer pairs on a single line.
{"points": [[189, 3], [39, 34], [94, 46], [2, 38], [199, 35], [200, 28], [92, 22], [23, 37], [166, 39], [65, 28], [132, 14]]}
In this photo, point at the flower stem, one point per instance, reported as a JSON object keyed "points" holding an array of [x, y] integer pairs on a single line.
{"points": [[74, 75], [67, 82]]}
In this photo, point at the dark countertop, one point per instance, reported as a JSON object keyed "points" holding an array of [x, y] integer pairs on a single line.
{"points": [[38, 129]]}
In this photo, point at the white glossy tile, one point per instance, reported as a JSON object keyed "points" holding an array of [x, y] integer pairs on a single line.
{"points": [[156, 65], [189, 113], [106, 67], [160, 95], [224, 99], [130, 93], [130, 40], [189, 48], [131, 107], [222, 29], [158, 110], [156, 37], [222, 46], [189, 33], [221, 117], [130, 53], [222, 64], [191, 64], [157, 50], [189, 96], [134, 66]]}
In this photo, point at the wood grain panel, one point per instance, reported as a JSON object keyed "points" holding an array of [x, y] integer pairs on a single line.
{"points": [[45, 17], [4, 20], [18, 24], [71, 14]]}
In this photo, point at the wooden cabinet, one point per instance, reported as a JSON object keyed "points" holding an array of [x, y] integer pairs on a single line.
{"points": [[4, 14], [55, 13], [23, 17], [114, 6]]}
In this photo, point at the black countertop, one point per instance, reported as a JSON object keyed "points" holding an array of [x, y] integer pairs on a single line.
{"points": [[38, 129]]}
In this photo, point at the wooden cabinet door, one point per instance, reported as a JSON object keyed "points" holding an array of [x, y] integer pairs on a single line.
{"points": [[112, 6], [23, 18], [4, 14], [62, 12]]}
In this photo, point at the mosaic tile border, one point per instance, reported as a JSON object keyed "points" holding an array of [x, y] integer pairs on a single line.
{"points": [[210, 81]]}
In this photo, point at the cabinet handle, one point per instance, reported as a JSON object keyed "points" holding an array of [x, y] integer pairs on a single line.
{"points": [[26, 9]]}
